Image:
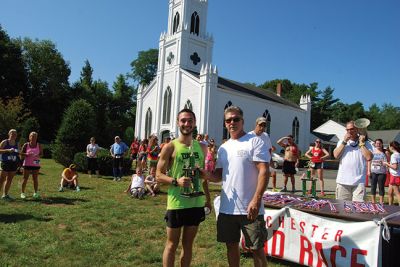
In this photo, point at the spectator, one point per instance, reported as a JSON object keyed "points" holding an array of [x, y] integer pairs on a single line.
{"points": [[394, 169], [353, 153], [69, 178], [142, 154], [259, 130], [31, 152], [134, 148], [151, 183], [317, 154], [291, 160], [378, 171], [211, 155], [9, 162], [118, 150], [152, 152], [136, 187], [91, 154]]}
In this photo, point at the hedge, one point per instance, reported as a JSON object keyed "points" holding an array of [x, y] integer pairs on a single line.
{"points": [[104, 161]]}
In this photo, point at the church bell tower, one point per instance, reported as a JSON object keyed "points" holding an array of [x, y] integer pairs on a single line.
{"points": [[186, 44]]}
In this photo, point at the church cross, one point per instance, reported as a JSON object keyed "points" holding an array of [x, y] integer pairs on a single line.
{"points": [[170, 58], [195, 58]]}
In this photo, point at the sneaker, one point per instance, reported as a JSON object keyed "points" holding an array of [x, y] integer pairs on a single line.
{"points": [[36, 195], [284, 189], [115, 179], [119, 179], [293, 190], [322, 194], [61, 189], [23, 195], [78, 189], [275, 190], [7, 198]]}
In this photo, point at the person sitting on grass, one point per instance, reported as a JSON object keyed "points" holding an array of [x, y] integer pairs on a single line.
{"points": [[136, 187], [69, 178], [151, 183]]}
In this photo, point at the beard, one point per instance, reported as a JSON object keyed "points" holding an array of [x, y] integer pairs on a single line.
{"points": [[186, 130]]}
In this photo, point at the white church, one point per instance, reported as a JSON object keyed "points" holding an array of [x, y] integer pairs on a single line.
{"points": [[186, 78]]}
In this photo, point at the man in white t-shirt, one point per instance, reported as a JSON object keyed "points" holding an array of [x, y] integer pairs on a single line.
{"points": [[243, 164], [259, 130], [353, 152]]}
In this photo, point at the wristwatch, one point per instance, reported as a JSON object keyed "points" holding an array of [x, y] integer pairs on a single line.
{"points": [[174, 182], [344, 143]]}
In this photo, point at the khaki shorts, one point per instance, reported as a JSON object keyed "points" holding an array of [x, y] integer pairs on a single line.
{"points": [[350, 192], [254, 232]]}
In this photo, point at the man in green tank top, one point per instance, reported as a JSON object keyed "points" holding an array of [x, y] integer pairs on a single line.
{"points": [[182, 212]]}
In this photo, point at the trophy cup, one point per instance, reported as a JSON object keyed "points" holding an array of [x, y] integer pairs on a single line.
{"points": [[191, 169]]}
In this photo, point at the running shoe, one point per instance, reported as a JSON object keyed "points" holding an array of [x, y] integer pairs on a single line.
{"points": [[61, 189], [78, 189], [23, 195], [36, 195], [284, 189], [7, 198]]}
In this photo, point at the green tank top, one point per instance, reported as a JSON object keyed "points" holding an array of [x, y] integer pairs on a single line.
{"points": [[182, 158]]}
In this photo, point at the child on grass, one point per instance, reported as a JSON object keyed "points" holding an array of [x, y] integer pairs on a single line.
{"points": [[151, 183], [136, 187]]}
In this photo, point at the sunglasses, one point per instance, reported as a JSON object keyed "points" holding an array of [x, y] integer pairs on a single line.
{"points": [[236, 119], [351, 129], [317, 141]]}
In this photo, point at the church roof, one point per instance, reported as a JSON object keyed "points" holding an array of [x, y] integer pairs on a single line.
{"points": [[228, 84]]}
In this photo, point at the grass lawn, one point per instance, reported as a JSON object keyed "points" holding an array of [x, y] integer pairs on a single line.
{"points": [[98, 226]]}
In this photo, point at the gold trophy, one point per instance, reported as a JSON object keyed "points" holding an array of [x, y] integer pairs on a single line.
{"points": [[191, 169]]}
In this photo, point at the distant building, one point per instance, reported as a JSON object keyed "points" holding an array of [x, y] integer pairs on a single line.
{"points": [[186, 78]]}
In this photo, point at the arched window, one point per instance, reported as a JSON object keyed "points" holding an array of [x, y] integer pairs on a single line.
{"points": [[176, 23], [225, 134], [189, 105], [268, 117], [147, 123], [195, 23], [166, 118], [295, 130]]}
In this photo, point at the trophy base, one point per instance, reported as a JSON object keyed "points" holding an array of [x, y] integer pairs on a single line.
{"points": [[192, 194]]}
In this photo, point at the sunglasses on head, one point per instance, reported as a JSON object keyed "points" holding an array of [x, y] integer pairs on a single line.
{"points": [[237, 119]]}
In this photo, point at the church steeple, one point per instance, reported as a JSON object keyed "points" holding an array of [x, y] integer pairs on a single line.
{"points": [[186, 44]]}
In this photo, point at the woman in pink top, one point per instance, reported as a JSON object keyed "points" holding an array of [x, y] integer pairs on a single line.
{"points": [[31, 152]]}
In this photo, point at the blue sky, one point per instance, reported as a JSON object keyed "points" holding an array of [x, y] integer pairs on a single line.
{"points": [[351, 45]]}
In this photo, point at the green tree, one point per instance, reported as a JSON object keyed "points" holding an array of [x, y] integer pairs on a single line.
{"points": [[122, 104], [144, 68], [48, 89], [374, 114], [31, 124], [322, 107], [13, 77], [77, 126], [390, 116], [12, 113]]}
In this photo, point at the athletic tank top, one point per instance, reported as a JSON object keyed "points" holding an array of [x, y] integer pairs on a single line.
{"points": [[316, 155], [32, 159], [182, 158], [10, 156]]}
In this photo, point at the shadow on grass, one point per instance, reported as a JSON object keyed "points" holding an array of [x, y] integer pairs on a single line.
{"points": [[276, 261], [61, 200], [14, 218]]}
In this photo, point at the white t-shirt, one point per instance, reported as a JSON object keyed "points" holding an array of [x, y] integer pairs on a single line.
{"points": [[137, 181], [352, 165], [240, 175], [91, 150], [265, 137], [377, 163], [395, 158]]}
